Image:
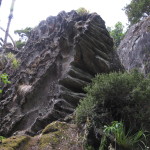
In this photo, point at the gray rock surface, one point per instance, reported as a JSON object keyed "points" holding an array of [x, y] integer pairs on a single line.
{"points": [[134, 50], [61, 56]]}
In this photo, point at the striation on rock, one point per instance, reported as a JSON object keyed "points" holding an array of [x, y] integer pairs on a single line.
{"points": [[62, 55], [134, 50]]}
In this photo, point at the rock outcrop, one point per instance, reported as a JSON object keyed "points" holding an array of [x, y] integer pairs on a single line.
{"points": [[134, 50], [61, 56], [56, 136]]}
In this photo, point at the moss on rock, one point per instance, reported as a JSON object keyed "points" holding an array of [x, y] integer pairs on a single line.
{"points": [[55, 126], [51, 140], [56, 136], [60, 135], [14, 142]]}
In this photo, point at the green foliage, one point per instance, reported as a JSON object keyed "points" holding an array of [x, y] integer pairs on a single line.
{"points": [[24, 35], [88, 147], [103, 143], [14, 61], [85, 109], [1, 138], [9, 58], [109, 90], [126, 96], [4, 80], [14, 142], [137, 9], [20, 44], [23, 32], [82, 11], [117, 33], [126, 140], [123, 95], [4, 59]]}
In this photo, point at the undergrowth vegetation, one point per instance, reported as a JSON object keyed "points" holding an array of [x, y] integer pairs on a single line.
{"points": [[7, 59], [3, 80], [15, 63], [117, 97], [124, 139]]}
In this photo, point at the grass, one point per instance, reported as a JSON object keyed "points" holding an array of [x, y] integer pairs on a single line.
{"points": [[123, 139]]}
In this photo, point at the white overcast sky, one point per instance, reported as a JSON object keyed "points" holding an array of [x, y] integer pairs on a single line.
{"points": [[28, 13]]}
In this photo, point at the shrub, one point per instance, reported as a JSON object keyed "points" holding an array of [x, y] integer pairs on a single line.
{"points": [[113, 92], [82, 11], [116, 96]]}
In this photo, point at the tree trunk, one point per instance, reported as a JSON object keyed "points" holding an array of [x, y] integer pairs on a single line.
{"points": [[0, 2], [9, 21]]}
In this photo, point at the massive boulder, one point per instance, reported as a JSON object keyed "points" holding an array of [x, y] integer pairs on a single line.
{"points": [[61, 56], [134, 50]]}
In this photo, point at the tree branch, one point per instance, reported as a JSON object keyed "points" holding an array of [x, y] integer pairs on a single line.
{"points": [[9, 37]]}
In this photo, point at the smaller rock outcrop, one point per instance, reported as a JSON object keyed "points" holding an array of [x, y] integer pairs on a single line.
{"points": [[56, 136], [134, 50]]}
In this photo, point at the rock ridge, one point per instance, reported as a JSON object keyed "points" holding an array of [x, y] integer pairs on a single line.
{"points": [[61, 57]]}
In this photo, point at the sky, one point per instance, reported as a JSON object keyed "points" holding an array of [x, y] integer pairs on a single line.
{"points": [[28, 13]]}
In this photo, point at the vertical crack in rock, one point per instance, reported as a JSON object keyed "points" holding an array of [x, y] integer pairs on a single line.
{"points": [[60, 58]]}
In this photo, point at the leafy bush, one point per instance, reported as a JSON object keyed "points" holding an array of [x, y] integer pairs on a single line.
{"points": [[114, 92], [82, 11], [116, 96]]}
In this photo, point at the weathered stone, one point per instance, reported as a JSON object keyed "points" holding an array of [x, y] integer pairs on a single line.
{"points": [[57, 135], [134, 50], [14, 143], [62, 55]]}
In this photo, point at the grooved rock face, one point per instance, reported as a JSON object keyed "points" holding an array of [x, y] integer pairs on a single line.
{"points": [[61, 56], [134, 50]]}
